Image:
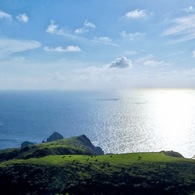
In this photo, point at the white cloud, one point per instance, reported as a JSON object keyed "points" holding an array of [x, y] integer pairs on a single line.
{"points": [[9, 46], [80, 31], [183, 28], [87, 76], [136, 14], [99, 77], [87, 26], [122, 62], [104, 40], [189, 9], [5, 15], [131, 36], [70, 48], [54, 28], [22, 18], [56, 49], [155, 63]]}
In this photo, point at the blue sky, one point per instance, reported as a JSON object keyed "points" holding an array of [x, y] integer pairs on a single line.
{"points": [[96, 44]]}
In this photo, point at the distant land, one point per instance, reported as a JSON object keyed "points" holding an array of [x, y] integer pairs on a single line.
{"points": [[75, 166]]}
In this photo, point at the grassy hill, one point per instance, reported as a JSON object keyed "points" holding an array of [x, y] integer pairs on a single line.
{"points": [[88, 173], [74, 145]]}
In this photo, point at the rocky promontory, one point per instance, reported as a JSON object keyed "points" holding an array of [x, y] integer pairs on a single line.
{"points": [[59, 146]]}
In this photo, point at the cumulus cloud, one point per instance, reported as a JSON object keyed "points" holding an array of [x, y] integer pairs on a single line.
{"points": [[4, 15], [22, 18], [87, 26], [70, 48], [9, 46], [131, 36], [136, 14], [122, 62], [53, 28], [183, 28]]}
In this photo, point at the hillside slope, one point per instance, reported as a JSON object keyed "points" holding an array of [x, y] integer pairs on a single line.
{"points": [[143, 173], [74, 145], [81, 171]]}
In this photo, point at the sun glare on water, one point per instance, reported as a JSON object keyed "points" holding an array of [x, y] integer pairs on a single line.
{"points": [[146, 120], [172, 111]]}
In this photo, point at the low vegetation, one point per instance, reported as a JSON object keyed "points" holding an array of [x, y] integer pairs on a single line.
{"points": [[87, 173], [74, 145]]}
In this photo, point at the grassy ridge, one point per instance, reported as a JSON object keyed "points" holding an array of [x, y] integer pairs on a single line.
{"points": [[74, 145], [136, 172], [114, 159], [72, 166]]}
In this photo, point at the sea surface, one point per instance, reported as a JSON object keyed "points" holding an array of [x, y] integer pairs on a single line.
{"points": [[117, 121]]}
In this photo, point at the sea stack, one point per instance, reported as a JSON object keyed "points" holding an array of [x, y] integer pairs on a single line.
{"points": [[26, 143], [54, 136]]}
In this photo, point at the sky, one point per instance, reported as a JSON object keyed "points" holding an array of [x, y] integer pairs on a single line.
{"points": [[97, 44]]}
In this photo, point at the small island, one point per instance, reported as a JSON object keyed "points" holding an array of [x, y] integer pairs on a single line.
{"points": [[75, 166]]}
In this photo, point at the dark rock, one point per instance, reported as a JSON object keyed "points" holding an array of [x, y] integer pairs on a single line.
{"points": [[55, 136], [26, 143], [172, 153], [86, 141], [98, 150]]}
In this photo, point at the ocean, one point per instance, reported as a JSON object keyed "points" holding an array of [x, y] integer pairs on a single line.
{"points": [[140, 120]]}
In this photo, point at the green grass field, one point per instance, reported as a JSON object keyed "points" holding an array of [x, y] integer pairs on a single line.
{"points": [[113, 159], [134, 173], [115, 169]]}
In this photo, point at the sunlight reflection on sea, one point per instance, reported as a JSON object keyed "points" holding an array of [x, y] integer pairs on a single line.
{"points": [[150, 120], [118, 121]]}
